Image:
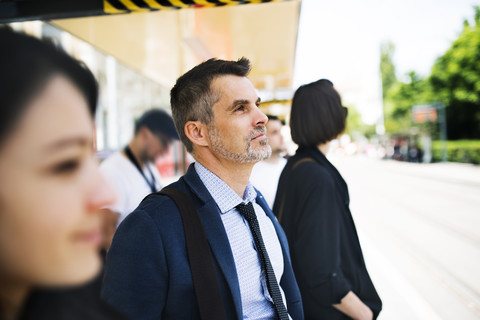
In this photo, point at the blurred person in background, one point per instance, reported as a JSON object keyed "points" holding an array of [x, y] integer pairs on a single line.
{"points": [[132, 170], [312, 205], [266, 173], [51, 191]]}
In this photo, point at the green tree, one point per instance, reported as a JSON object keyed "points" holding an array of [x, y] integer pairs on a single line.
{"points": [[398, 97], [416, 90], [387, 68], [389, 85], [455, 80]]}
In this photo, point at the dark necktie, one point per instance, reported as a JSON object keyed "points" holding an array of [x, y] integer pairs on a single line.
{"points": [[249, 213]]}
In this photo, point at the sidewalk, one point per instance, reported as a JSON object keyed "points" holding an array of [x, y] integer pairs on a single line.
{"points": [[418, 225]]}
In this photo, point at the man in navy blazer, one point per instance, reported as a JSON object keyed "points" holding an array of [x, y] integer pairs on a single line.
{"points": [[147, 273]]}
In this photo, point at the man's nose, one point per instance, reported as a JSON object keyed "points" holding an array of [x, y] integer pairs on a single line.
{"points": [[260, 118]]}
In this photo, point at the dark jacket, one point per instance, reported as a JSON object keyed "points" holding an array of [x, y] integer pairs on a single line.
{"points": [[147, 273], [76, 303], [324, 246]]}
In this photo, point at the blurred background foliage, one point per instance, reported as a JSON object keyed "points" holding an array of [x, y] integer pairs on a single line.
{"points": [[466, 151], [454, 81]]}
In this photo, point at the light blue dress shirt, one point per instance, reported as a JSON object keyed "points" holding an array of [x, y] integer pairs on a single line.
{"points": [[256, 300]]}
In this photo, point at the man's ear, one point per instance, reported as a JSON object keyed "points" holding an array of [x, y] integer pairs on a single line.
{"points": [[197, 133]]}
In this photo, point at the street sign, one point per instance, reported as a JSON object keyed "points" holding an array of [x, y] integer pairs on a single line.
{"points": [[424, 113], [434, 112]]}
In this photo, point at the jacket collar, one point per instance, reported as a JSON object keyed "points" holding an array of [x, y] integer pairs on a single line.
{"points": [[215, 232], [193, 181], [312, 152]]}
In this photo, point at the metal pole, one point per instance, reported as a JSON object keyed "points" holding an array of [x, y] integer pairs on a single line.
{"points": [[443, 129]]}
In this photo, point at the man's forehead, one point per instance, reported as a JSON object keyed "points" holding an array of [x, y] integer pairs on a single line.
{"points": [[230, 80], [232, 84]]}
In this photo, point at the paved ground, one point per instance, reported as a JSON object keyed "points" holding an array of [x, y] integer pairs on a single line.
{"points": [[419, 226]]}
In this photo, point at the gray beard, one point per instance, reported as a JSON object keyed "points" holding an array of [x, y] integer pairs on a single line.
{"points": [[250, 155]]}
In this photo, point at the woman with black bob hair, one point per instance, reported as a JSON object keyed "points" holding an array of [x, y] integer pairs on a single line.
{"points": [[312, 204], [51, 191]]}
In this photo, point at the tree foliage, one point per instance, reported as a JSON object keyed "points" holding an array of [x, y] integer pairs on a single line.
{"points": [[399, 97], [454, 80], [387, 68], [416, 90]]}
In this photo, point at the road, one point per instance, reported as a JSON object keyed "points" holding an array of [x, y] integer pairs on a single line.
{"points": [[419, 227]]}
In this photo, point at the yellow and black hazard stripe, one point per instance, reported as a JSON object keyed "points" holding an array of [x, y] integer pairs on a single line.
{"points": [[125, 6]]}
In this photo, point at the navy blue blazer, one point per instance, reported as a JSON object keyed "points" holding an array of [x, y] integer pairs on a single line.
{"points": [[147, 274]]}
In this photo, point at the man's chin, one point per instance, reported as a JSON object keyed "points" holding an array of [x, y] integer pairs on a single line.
{"points": [[261, 154]]}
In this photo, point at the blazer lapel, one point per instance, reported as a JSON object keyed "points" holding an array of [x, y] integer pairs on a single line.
{"points": [[217, 237]]}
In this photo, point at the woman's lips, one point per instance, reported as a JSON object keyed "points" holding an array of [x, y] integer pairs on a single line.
{"points": [[93, 237]]}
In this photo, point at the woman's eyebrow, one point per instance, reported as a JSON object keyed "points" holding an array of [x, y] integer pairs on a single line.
{"points": [[65, 143]]}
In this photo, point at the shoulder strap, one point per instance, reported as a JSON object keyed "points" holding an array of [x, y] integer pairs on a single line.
{"points": [[282, 201], [200, 257], [131, 157]]}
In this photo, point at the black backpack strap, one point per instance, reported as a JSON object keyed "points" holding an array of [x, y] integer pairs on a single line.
{"points": [[204, 277]]}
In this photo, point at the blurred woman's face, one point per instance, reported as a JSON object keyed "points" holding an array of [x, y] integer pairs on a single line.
{"points": [[51, 192]]}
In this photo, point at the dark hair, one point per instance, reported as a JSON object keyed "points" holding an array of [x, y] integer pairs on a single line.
{"points": [[275, 118], [192, 97], [158, 122], [271, 117], [26, 66], [317, 115]]}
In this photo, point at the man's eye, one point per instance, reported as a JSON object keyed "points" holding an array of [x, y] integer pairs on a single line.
{"points": [[240, 108], [66, 167]]}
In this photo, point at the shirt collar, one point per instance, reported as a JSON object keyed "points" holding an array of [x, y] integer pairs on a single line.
{"points": [[223, 195]]}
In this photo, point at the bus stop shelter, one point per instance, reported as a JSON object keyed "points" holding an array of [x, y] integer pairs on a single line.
{"points": [[164, 38], [158, 40]]}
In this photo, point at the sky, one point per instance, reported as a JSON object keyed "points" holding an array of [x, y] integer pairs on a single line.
{"points": [[340, 40]]}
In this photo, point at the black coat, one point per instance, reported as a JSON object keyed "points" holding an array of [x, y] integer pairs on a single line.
{"points": [[312, 204], [75, 303]]}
